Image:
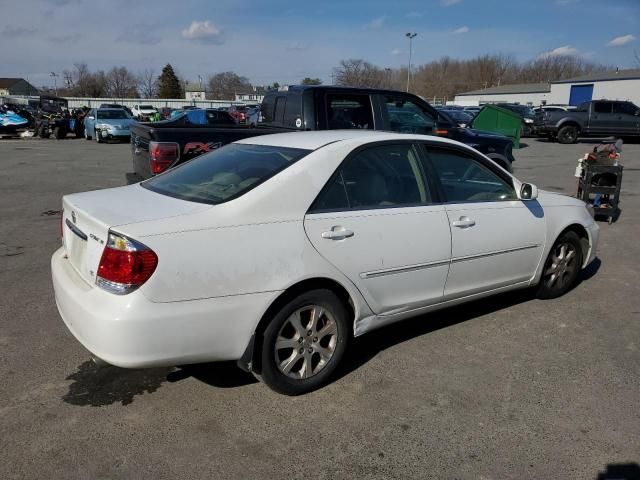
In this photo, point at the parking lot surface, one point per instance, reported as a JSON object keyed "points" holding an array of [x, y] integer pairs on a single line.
{"points": [[508, 387]]}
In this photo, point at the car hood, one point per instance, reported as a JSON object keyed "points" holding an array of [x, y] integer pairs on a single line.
{"points": [[555, 199], [116, 122]]}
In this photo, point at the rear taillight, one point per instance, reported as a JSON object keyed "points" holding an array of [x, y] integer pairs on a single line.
{"points": [[125, 265], [162, 155]]}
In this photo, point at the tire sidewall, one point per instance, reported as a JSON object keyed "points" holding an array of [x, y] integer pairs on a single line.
{"points": [[271, 375], [545, 292], [572, 138]]}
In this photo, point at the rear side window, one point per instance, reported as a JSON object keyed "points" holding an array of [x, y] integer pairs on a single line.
{"points": [[383, 176], [278, 115], [602, 107], [267, 108], [225, 173], [348, 111]]}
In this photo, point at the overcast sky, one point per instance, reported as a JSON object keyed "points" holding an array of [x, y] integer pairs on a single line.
{"points": [[285, 41]]}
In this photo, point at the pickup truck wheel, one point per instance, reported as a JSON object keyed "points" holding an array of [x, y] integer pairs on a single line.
{"points": [[568, 134]]}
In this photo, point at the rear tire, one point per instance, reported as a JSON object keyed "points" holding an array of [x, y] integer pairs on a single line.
{"points": [[568, 134], [59, 133], [86, 135], [562, 267], [304, 343]]}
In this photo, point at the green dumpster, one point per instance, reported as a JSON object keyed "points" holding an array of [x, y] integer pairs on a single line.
{"points": [[499, 120]]}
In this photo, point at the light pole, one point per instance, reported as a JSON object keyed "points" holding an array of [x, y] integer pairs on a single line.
{"points": [[410, 36], [55, 83]]}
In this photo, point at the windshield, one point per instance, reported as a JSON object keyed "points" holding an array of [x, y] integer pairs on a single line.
{"points": [[146, 107], [112, 115], [225, 173]]}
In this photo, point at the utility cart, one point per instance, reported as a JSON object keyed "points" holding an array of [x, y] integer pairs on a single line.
{"points": [[600, 186]]}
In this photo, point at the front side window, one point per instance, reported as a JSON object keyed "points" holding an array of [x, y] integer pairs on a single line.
{"points": [[348, 111], [407, 117], [383, 176], [465, 179], [625, 108], [225, 173]]}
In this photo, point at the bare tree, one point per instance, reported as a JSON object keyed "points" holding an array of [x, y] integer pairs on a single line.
{"points": [[121, 83], [147, 83], [225, 85], [355, 72]]}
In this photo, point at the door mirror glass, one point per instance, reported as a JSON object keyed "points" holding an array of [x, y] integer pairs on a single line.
{"points": [[528, 191]]}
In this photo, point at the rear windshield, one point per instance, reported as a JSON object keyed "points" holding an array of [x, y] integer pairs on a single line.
{"points": [[146, 107], [225, 173]]}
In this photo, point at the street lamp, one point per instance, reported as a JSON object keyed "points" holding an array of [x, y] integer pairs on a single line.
{"points": [[55, 83], [410, 36]]}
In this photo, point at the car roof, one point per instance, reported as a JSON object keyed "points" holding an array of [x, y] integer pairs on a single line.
{"points": [[312, 140]]}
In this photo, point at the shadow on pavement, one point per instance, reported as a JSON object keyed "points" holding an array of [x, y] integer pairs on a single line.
{"points": [[620, 471], [216, 374]]}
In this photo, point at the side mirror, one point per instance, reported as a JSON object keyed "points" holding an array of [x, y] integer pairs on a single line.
{"points": [[528, 191]]}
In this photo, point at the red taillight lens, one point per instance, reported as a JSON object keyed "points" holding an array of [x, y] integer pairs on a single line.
{"points": [[242, 116], [125, 265], [162, 155]]}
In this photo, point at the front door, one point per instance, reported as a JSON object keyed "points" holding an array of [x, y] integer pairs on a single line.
{"points": [[375, 222], [497, 240]]}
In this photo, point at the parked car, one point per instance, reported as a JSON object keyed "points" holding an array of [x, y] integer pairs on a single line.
{"points": [[594, 118], [239, 113], [117, 105], [254, 116], [142, 112], [460, 117], [552, 108], [473, 110], [306, 107], [107, 124], [165, 112], [276, 250], [527, 115]]}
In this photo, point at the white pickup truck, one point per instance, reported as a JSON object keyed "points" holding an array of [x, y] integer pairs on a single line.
{"points": [[143, 111]]}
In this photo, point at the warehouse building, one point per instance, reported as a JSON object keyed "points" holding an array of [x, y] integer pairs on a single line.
{"points": [[614, 85], [16, 86]]}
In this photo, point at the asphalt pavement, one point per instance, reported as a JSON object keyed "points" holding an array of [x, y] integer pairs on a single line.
{"points": [[508, 387]]}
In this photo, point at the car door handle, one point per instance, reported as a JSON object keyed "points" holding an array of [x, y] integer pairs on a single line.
{"points": [[463, 222], [337, 233]]}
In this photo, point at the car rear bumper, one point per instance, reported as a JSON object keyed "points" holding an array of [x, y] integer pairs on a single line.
{"points": [[130, 331]]}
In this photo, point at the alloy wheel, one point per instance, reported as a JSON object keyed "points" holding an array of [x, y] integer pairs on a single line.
{"points": [[306, 342], [561, 266]]}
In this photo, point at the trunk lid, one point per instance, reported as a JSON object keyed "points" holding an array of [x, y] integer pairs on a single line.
{"points": [[88, 217]]}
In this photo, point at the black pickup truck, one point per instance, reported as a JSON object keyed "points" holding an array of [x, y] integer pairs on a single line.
{"points": [[597, 118], [158, 146]]}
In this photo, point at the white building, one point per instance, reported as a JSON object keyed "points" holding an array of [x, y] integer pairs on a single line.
{"points": [[254, 96], [194, 91], [614, 85]]}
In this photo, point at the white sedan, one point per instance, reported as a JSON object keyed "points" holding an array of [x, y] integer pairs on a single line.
{"points": [[276, 250]]}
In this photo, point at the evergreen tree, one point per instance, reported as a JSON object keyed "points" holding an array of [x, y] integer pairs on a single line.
{"points": [[168, 83]]}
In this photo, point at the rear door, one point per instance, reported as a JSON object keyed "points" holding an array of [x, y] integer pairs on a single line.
{"points": [[497, 240], [602, 120], [375, 221]]}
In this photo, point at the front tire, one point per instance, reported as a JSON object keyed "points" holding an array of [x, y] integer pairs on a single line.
{"points": [[562, 266], [96, 134], [305, 342], [568, 134]]}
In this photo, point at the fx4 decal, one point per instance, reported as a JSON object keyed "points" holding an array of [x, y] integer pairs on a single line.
{"points": [[198, 148]]}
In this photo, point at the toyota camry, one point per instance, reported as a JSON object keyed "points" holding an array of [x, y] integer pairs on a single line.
{"points": [[276, 250]]}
